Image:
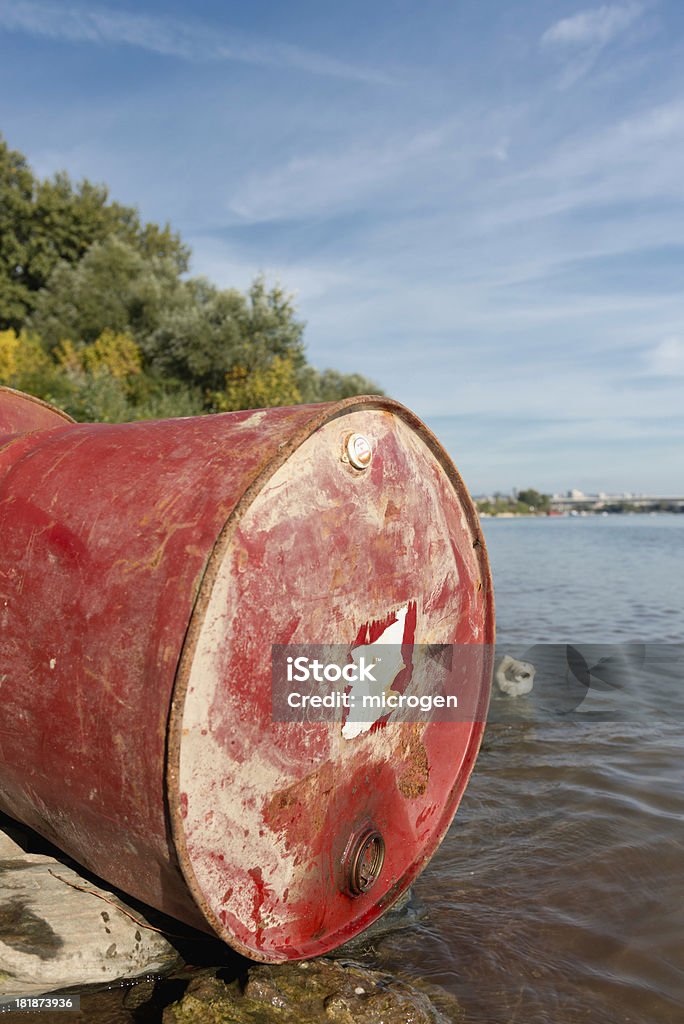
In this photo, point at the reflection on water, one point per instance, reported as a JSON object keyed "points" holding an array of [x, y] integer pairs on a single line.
{"points": [[557, 895]]}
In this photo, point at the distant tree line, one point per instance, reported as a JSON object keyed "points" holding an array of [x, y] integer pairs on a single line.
{"points": [[522, 503], [98, 315]]}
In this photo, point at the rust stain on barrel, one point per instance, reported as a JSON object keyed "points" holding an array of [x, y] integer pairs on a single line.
{"points": [[413, 780]]}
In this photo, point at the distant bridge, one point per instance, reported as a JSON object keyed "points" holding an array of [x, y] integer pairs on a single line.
{"points": [[595, 502]]}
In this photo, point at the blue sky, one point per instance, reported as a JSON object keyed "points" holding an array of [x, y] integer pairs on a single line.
{"points": [[479, 205]]}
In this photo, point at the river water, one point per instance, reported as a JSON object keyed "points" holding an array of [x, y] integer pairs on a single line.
{"points": [[558, 893], [557, 897]]}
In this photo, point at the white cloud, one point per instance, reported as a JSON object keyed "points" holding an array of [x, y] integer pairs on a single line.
{"points": [[187, 40], [324, 182], [639, 158], [666, 359], [592, 27], [580, 39]]}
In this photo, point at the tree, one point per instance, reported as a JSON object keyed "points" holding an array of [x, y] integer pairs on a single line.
{"points": [[331, 386], [9, 343], [25, 365], [533, 499], [197, 338], [16, 208], [269, 325], [96, 315], [113, 287], [117, 354], [45, 222], [259, 388], [209, 335]]}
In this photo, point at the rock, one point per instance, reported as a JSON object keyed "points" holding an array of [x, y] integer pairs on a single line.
{"points": [[139, 994], [310, 992], [8, 847], [53, 936]]}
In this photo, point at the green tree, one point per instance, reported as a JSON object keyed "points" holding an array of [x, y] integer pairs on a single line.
{"points": [[269, 326], [96, 315], [331, 386], [533, 499], [197, 338], [113, 287], [45, 222], [16, 209], [208, 333]]}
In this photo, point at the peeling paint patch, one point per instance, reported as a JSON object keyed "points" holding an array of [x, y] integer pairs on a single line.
{"points": [[387, 667]]}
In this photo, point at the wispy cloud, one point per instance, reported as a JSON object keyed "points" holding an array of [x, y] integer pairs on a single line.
{"points": [[328, 182], [597, 26], [579, 39], [637, 159], [187, 40], [517, 260]]}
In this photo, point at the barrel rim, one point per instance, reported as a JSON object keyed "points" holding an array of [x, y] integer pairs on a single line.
{"points": [[31, 399], [323, 414]]}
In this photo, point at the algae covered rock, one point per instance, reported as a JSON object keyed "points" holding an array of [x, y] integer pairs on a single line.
{"points": [[310, 992]]}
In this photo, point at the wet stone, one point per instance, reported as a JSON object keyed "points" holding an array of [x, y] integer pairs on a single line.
{"points": [[139, 993], [312, 992], [53, 935]]}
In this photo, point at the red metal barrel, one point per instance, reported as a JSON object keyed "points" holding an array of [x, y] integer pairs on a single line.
{"points": [[145, 571]]}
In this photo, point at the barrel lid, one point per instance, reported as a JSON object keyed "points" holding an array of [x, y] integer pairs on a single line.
{"points": [[294, 837]]}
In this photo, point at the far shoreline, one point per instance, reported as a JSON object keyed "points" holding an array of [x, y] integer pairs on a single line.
{"points": [[580, 514]]}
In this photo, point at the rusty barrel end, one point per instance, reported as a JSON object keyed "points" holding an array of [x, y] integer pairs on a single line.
{"points": [[292, 838]]}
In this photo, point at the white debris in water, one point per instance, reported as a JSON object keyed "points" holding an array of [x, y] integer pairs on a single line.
{"points": [[514, 678]]}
